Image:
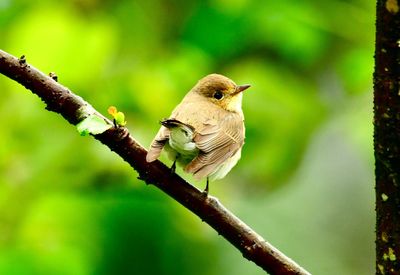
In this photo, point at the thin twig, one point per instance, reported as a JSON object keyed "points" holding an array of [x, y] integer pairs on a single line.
{"points": [[73, 108]]}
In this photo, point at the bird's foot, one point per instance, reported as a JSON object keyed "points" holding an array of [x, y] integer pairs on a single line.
{"points": [[173, 167], [205, 192]]}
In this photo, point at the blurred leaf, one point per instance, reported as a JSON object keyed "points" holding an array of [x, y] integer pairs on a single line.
{"points": [[281, 114], [287, 31], [69, 43], [355, 69], [216, 22]]}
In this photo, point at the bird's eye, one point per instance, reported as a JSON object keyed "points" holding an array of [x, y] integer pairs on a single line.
{"points": [[218, 95]]}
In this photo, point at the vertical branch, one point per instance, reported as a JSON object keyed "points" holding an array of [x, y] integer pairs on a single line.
{"points": [[387, 136]]}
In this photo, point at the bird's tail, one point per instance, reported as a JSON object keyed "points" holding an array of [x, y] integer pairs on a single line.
{"points": [[173, 123]]}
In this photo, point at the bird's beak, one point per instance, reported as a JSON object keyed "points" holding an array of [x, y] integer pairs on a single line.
{"points": [[241, 88]]}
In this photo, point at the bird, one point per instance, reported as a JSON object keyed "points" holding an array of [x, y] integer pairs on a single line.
{"points": [[205, 132]]}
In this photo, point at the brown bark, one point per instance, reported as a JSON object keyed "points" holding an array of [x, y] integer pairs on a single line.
{"points": [[387, 136], [73, 108]]}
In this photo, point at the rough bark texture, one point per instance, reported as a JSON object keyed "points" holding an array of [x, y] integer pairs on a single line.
{"points": [[73, 108], [387, 136]]}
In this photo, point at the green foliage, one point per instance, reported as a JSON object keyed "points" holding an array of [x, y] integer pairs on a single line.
{"points": [[70, 206], [93, 124], [119, 117]]}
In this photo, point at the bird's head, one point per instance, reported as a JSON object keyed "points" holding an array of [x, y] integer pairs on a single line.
{"points": [[221, 91]]}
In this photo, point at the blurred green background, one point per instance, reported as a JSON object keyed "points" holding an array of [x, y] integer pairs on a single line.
{"points": [[305, 181]]}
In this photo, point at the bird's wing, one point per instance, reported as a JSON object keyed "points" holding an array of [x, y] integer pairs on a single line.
{"points": [[217, 142], [157, 144], [180, 115]]}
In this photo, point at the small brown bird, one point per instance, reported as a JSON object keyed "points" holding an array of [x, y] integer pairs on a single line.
{"points": [[205, 132]]}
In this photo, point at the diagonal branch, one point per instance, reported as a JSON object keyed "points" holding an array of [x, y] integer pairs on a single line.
{"points": [[73, 108]]}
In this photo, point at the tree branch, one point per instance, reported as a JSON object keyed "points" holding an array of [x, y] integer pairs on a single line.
{"points": [[387, 136], [73, 108]]}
